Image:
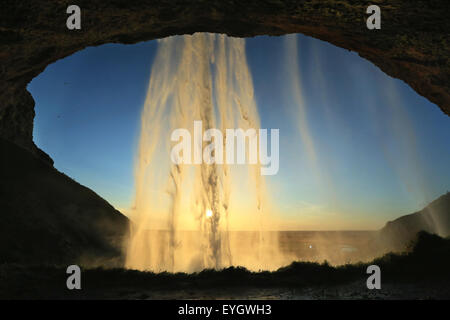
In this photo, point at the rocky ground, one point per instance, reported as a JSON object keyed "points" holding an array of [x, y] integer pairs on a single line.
{"points": [[350, 291]]}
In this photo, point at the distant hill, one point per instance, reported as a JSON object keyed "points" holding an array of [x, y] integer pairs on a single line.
{"points": [[48, 218], [434, 218]]}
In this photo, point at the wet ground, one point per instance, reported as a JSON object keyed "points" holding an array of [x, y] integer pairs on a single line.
{"points": [[354, 290]]}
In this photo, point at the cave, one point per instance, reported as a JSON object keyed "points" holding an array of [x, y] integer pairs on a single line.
{"points": [[412, 45]]}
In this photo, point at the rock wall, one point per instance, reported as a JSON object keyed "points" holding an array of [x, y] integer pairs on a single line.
{"points": [[48, 218], [413, 43]]}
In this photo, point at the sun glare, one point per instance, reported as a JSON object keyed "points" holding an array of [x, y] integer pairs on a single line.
{"points": [[209, 213]]}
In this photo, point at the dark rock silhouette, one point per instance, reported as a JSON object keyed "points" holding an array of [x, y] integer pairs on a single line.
{"points": [[434, 219], [48, 218]]}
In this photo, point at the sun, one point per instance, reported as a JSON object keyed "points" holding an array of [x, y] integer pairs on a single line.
{"points": [[209, 213]]}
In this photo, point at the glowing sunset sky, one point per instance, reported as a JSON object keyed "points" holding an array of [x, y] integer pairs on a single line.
{"points": [[379, 149]]}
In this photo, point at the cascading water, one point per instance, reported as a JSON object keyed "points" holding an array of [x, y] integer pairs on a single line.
{"points": [[188, 217], [183, 213]]}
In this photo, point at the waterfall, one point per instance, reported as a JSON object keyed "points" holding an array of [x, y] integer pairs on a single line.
{"points": [[183, 213]]}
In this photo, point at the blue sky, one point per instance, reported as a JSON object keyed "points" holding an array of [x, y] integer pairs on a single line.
{"points": [[382, 150]]}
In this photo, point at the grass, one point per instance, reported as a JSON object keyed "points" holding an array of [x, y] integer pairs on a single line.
{"points": [[428, 260]]}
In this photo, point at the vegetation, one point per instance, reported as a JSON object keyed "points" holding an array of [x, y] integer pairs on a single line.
{"points": [[428, 261]]}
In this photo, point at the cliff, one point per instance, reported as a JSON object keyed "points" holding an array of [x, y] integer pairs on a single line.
{"points": [[48, 218]]}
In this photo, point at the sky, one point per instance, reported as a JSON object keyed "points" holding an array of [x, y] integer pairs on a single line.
{"points": [[362, 149]]}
